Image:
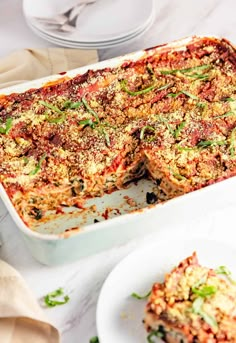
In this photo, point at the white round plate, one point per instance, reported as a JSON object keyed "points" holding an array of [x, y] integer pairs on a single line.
{"points": [[71, 44], [106, 20], [66, 37], [119, 316]]}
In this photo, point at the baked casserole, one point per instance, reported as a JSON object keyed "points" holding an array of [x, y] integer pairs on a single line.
{"points": [[169, 116]]}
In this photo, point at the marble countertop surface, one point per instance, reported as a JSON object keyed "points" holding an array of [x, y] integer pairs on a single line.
{"points": [[83, 279]]}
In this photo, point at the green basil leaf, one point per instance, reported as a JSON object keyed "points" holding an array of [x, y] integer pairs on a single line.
{"points": [[124, 87], [90, 110], [198, 76], [232, 142], [179, 128], [57, 120], [201, 105], [197, 304], [223, 270], [94, 339], [145, 128], [205, 144], [227, 114], [174, 95], [155, 333], [211, 321], [229, 99], [197, 309], [204, 291], [70, 104], [50, 106], [8, 126], [107, 138], [50, 298], [182, 148], [38, 166], [186, 70], [165, 121], [87, 122], [140, 297], [192, 96]]}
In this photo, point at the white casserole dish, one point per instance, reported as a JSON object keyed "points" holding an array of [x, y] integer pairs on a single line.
{"points": [[57, 246]]}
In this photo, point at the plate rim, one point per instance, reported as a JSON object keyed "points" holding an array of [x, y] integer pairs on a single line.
{"points": [[150, 246]]}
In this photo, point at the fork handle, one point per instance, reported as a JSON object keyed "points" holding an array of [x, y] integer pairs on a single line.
{"points": [[76, 11]]}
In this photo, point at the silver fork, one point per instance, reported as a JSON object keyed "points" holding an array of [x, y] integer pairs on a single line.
{"points": [[65, 22]]}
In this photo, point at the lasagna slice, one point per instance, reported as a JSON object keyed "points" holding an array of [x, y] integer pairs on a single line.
{"points": [[194, 304]]}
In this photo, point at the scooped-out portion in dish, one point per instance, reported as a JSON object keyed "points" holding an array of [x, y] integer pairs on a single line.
{"points": [[169, 116], [194, 304]]}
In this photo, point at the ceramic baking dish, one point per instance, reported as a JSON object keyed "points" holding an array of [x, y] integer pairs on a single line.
{"points": [[73, 236]]}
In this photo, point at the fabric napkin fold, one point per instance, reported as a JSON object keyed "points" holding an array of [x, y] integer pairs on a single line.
{"points": [[21, 318], [31, 64]]}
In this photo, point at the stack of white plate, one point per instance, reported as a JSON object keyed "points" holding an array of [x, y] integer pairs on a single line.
{"points": [[102, 24]]}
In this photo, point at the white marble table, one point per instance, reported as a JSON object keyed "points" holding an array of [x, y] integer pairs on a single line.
{"points": [[83, 279]]}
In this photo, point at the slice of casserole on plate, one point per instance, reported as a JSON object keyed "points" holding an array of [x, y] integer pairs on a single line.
{"points": [[194, 304]]}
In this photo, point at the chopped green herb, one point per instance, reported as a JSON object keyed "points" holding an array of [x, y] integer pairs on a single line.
{"points": [[182, 148], [174, 95], [55, 109], [90, 110], [163, 120], [228, 99], [123, 84], [179, 128], [225, 271], [26, 160], [187, 70], [209, 319], [156, 333], [197, 308], [8, 126], [38, 166], [198, 76], [179, 176], [57, 120], [71, 104], [108, 125], [50, 106], [107, 138], [94, 339], [204, 291], [140, 297], [227, 114], [201, 105], [143, 91], [87, 122], [192, 96], [50, 301], [205, 144], [145, 128], [232, 142]]}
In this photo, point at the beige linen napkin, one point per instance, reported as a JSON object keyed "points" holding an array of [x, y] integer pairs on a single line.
{"points": [[21, 318], [30, 64]]}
